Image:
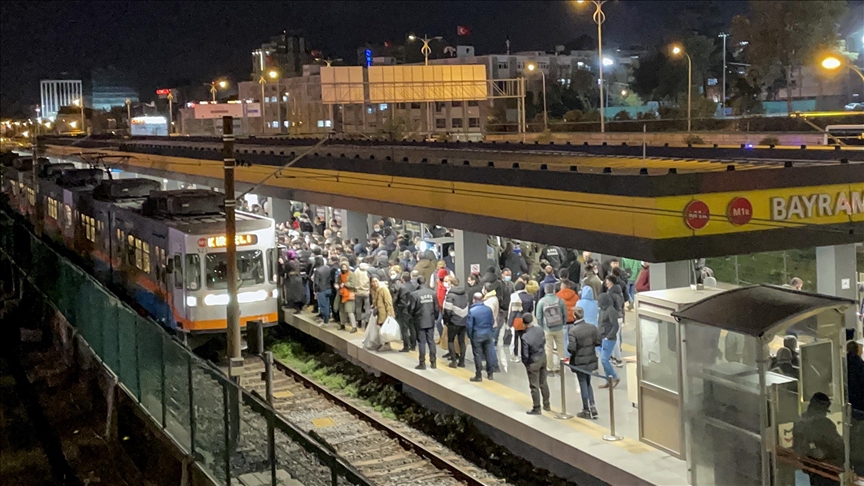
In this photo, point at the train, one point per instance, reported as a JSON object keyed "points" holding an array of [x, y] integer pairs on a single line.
{"points": [[166, 250]]}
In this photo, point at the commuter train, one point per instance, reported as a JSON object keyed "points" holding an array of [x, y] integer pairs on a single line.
{"points": [[165, 249]]}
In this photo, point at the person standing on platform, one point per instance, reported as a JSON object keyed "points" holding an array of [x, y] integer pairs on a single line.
{"points": [[588, 304], [323, 284], [583, 339], [405, 311], [425, 312], [551, 316], [608, 328], [346, 284], [534, 359], [592, 280], [571, 298], [643, 282], [521, 302], [382, 305], [455, 314], [480, 325], [361, 301]]}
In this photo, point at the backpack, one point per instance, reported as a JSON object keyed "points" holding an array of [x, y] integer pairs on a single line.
{"points": [[552, 316]]}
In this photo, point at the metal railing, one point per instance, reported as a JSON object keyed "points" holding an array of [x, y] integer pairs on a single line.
{"points": [[227, 431], [612, 436]]}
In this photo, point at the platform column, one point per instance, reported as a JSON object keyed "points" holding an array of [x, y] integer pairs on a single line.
{"points": [[836, 274], [670, 275], [354, 225], [279, 209], [470, 249]]}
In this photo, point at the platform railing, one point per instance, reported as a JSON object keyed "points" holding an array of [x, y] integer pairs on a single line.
{"points": [[612, 436], [225, 430]]}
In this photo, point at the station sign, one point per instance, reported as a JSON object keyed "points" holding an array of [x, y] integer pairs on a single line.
{"points": [[739, 211], [696, 214], [222, 241], [806, 206]]}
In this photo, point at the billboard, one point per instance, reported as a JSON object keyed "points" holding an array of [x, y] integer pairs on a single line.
{"points": [[211, 111], [150, 125], [401, 84]]}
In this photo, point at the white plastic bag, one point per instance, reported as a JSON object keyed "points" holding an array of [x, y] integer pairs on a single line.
{"points": [[371, 339], [389, 331]]}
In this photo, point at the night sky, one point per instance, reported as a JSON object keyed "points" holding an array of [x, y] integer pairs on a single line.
{"points": [[167, 42]]}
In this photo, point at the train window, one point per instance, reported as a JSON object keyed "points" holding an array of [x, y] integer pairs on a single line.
{"points": [[52, 208], [250, 269], [67, 216], [193, 272], [273, 259], [145, 256], [178, 271], [89, 225]]}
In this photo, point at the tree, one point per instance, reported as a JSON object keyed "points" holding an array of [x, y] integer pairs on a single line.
{"points": [[659, 78], [783, 36]]}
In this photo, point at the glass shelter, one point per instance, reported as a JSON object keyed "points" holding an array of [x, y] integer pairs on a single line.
{"points": [[764, 388]]}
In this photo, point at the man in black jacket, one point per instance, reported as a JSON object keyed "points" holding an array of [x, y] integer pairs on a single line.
{"points": [[322, 281], [425, 312], [403, 301], [583, 339], [534, 359], [455, 313], [608, 327]]}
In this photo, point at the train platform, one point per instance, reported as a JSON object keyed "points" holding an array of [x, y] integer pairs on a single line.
{"points": [[501, 405]]}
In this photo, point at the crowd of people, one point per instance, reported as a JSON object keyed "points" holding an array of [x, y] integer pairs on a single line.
{"points": [[560, 306]]}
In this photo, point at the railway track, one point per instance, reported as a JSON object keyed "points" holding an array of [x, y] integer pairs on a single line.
{"points": [[386, 452]]}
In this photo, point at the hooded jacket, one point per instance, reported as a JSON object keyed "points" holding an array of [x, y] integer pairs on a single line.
{"points": [[426, 265], [440, 289], [589, 305], [570, 298], [493, 276], [455, 307], [582, 340], [490, 300], [515, 263], [617, 297], [608, 323]]}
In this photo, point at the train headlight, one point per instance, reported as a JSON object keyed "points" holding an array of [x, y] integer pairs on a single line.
{"points": [[191, 301], [216, 299], [275, 293]]}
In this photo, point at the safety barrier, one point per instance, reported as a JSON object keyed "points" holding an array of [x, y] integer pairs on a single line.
{"points": [[611, 436], [225, 430]]}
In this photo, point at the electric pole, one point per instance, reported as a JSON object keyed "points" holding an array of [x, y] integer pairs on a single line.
{"points": [[233, 309]]}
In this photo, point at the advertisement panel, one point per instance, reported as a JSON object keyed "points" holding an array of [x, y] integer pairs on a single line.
{"points": [[404, 84], [211, 111], [150, 125]]}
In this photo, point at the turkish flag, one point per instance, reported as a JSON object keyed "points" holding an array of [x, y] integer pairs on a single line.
{"points": [[462, 30]]}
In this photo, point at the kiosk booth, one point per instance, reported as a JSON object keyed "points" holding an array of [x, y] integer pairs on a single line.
{"points": [[744, 409]]}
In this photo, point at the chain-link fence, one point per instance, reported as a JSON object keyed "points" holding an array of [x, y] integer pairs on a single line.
{"points": [[227, 431]]}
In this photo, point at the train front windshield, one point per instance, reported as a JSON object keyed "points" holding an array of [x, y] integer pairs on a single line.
{"points": [[250, 269]]}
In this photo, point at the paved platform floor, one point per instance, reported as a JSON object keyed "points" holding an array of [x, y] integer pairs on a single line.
{"points": [[502, 404]]}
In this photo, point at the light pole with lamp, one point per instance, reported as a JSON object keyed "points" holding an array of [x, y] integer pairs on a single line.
{"points": [[532, 67], [425, 50], [723, 99], [221, 84], [80, 102], [599, 18], [678, 50], [129, 114], [262, 80], [833, 62]]}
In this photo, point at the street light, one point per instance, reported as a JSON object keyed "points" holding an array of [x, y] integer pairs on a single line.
{"points": [[599, 18], [425, 50], [723, 99], [532, 67], [833, 62], [677, 51], [80, 102], [262, 80], [217, 84]]}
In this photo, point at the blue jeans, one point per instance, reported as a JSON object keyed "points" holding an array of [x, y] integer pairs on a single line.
{"points": [[567, 328], [605, 353], [585, 390], [482, 348], [324, 305]]}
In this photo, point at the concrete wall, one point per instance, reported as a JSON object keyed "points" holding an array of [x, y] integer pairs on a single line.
{"points": [[660, 138]]}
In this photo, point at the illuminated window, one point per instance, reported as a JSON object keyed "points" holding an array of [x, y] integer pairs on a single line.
{"points": [[382, 106], [274, 124], [31, 197], [89, 226], [68, 216], [53, 208], [286, 123]]}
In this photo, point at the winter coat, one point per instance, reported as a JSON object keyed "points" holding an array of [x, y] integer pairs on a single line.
{"points": [[533, 345], [855, 373], [521, 302], [361, 279], [539, 314], [515, 263], [322, 279], [582, 339], [490, 300], [426, 309], [383, 304], [608, 323], [404, 297], [589, 306], [456, 307], [553, 255], [570, 298], [349, 286], [493, 276], [617, 297], [593, 281], [548, 279], [426, 266], [480, 321], [440, 289]]}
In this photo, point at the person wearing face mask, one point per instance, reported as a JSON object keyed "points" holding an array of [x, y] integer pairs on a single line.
{"points": [[455, 314], [346, 284], [450, 260], [473, 284]]}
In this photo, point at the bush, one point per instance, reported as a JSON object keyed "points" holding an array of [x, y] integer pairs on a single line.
{"points": [[622, 115], [694, 140], [769, 141], [573, 116]]}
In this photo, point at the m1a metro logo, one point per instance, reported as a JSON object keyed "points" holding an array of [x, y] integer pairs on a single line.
{"points": [[739, 211], [817, 205]]}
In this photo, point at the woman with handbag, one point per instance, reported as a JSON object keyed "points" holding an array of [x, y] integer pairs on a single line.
{"points": [[382, 305]]}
